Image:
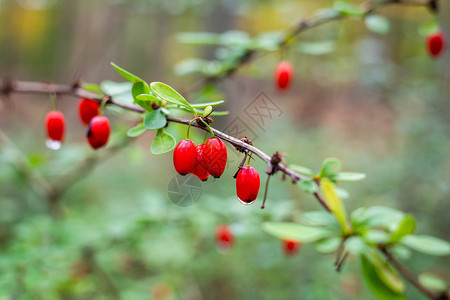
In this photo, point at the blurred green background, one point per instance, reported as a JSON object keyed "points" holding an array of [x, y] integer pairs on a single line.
{"points": [[379, 103]]}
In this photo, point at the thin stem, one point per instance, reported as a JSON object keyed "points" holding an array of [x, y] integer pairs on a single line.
{"points": [[265, 192], [102, 104], [249, 159], [209, 127], [189, 128]]}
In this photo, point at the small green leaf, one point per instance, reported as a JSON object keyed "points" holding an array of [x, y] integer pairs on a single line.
{"points": [[373, 282], [155, 120], [377, 24], [405, 227], [334, 202], [320, 218], [207, 111], [316, 48], [327, 245], [347, 9], [302, 170], [355, 245], [375, 216], [147, 97], [387, 273], [92, 88], [308, 186], [203, 105], [167, 93], [127, 75], [349, 176], [113, 88], [136, 131], [432, 282], [140, 88], [165, 111], [162, 143], [427, 244], [330, 168], [297, 232], [375, 237]]}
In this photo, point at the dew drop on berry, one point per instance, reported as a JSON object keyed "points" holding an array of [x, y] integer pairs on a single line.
{"points": [[53, 145], [247, 203]]}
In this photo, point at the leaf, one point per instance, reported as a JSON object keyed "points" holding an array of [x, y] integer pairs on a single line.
{"points": [[92, 88], [375, 236], [155, 120], [387, 273], [377, 24], [316, 48], [297, 232], [432, 282], [199, 38], [347, 9], [405, 227], [207, 111], [203, 105], [330, 168], [429, 27], [162, 143], [334, 202], [327, 245], [355, 245], [113, 88], [170, 95], [199, 111], [375, 216], [127, 75], [427, 244], [350, 176], [308, 186], [375, 285], [136, 131], [148, 97], [302, 170], [320, 218], [140, 88]]}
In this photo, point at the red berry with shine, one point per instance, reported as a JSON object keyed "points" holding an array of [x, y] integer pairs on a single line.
{"points": [[87, 109], [98, 132], [284, 72], [224, 237], [200, 169], [55, 125], [435, 43], [184, 157], [216, 156], [247, 185], [290, 247]]}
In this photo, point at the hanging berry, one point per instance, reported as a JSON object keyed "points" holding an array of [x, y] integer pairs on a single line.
{"points": [[284, 72], [247, 185], [290, 247], [98, 132], [200, 168], [184, 157], [224, 237], [55, 125], [87, 109], [436, 43], [216, 156]]}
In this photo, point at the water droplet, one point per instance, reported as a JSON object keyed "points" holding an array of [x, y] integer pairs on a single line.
{"points": [[53, 145], [246, 203]]}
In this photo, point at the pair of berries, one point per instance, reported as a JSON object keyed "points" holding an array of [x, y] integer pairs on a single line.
{"points": [[435, 43], [247, 185], [224, 237], [290, 247], [99, 127], [284, 71], [201, 160]]}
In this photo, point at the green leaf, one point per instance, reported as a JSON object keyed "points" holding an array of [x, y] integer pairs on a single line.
{"points": [[387, 273], [316, 48], [308, 186], [429, 27], [113, 88], [136, 131], [375, 285], [320, 218], [427, 244], [375, 236], [199, 111], [167, 93], [302, 170], [297, 232], [199, 38], [327, 245], [347, 9], [355, 245], [432, 282], [207, 111], [203, 105], [140, 88], [155, 120], [377, 24], [148, 97], [334, 202], [375, 216], [162, 143], [405, 227], [349, 176], [92, 88], [127, 75], [330, 168]]}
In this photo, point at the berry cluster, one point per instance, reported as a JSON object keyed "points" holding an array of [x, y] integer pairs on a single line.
{"points": [[89, 112]]}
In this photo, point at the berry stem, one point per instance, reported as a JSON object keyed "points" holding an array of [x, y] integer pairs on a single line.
{"points": [[102, 105], [265, 192], [53, 101], [209, 127], [189, 128], [249, 158]]}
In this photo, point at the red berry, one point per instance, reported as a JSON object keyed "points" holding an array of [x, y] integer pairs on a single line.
{"points": [[184, 157], [98, 132], [216, 156], [283, 74], [247, 185], [290, 247], [435, 43], [87, 109], [55, 125], [200, 168], [224, 237]]}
